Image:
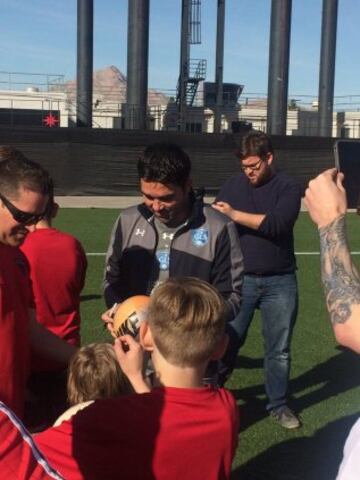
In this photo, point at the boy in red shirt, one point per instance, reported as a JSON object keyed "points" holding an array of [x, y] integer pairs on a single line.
{"points": [[57, 267], [179, 430], [20, 459]]}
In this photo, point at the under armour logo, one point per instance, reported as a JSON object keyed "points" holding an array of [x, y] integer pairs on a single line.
{"points": [[169, 236], [139, 232]]}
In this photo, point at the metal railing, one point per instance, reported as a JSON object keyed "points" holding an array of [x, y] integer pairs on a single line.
{"points": [[109, 112], [34, 81], [167, 118]]}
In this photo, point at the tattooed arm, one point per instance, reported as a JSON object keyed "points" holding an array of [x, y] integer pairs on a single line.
{"points": [[341, 283], [325, 199]]}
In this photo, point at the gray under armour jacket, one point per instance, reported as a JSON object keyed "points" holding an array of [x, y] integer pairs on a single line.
{"points": [[207, 247]]}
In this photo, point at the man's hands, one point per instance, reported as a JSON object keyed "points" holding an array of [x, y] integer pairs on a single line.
{"points": [[224, 208], [325, 197], [108, 318], [130, 356], [250, 220], [129, 353]]}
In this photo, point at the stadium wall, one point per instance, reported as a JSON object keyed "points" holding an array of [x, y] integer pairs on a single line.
{"points": [[103, 161]]}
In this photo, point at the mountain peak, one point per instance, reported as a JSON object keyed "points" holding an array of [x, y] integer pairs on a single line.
{"points": [[109, 84]]}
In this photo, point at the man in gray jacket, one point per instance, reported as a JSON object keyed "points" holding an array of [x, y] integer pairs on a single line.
{"points": [[172, 233]]}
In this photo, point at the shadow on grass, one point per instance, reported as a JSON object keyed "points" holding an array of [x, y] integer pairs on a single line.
{"points": [[248, 363], [86, 298], [307, 458], [333, 377]]}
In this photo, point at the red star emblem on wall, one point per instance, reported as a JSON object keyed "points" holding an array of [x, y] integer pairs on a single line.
{"points": [[50, 120]]}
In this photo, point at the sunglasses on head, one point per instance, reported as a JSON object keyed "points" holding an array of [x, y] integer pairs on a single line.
{"points": [[25, 218]]}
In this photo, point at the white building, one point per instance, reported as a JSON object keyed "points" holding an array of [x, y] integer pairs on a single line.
{"points": [[55, 108], [33, 107]]}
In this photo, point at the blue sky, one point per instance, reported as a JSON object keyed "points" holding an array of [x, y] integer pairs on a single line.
{"points": [[39, 36]]}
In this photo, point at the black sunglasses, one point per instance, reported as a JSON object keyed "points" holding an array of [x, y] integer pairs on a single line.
{"points": [[25, 218]]}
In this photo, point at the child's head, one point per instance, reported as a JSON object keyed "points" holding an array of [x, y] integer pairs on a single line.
{"points": [[186, 317], [94, 373]]}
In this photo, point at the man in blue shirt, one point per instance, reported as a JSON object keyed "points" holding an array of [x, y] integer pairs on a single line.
{"points": [[265, 205]]}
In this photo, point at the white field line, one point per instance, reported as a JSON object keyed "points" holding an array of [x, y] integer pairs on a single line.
{"points": [[318, 253], [99, 254]]}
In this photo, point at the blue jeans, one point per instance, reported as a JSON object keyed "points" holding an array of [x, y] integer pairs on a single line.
{"points": [[276, 297]]}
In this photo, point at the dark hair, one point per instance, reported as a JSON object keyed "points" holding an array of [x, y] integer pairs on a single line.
{"points": [[165, 163], [255, 144], [7, 152], [18, 171]]}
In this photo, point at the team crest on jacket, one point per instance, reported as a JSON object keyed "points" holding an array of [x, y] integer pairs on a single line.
{"points": [[200, 237], [164, 259]]}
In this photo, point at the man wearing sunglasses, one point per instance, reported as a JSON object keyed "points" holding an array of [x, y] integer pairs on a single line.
{"points": [[24, 193], [265, 205]]}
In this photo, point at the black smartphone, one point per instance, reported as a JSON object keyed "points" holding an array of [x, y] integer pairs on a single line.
{"points": [[347, 161]]}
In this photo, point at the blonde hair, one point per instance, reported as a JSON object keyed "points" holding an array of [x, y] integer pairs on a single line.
{"points": [[94, 373], [187, 320]]}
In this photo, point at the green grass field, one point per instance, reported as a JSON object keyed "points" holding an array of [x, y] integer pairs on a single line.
{"points": [[324, 379]]}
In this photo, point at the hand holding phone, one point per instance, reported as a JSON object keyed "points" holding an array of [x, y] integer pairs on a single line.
{"points": [[347, 161], [325, 197]]}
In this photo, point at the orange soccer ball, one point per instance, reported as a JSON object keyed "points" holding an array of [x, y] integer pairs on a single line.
{"points": [[130, 314]]}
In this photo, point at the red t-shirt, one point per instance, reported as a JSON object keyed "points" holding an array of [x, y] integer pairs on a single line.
{"points": [[57, 264], [170, 433], [15, 300], [20, 458]]}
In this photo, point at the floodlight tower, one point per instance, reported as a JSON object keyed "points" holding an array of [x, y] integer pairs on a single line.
{"points": [[192, 71], [137, 64], [278, 80], [84, 85], [327, 66], [219, 68]]}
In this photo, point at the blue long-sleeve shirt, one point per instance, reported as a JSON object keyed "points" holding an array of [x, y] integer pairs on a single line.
{"points": [[270, 249]]}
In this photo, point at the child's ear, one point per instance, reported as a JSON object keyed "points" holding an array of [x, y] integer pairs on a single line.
{"points": [[145, 337], [221, 348]]}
